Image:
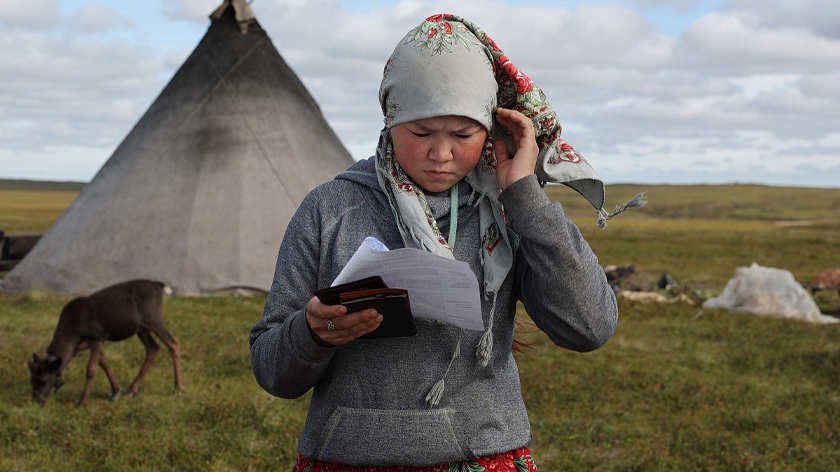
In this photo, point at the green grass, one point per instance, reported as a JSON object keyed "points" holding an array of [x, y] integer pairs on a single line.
{"points": [[720, 202], [676, 391], [41, 185], [705, 253], [700, 234], [677, 387], [29, 208], [223, 420], [673, 390]]}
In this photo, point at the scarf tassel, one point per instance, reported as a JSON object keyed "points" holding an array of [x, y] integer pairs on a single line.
{"points": [[436, 393], [484, 350], [639, 200], [434, 396]]}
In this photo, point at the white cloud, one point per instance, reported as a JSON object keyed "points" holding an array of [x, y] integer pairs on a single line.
{"points": [[756, 84], [729, 99], [30, 14], [724, 43], [190, 9], [601, 35], [819, 17], [55, 91], [77, 163], [824, 85], [831, 141], [95, 18], [679, 5], [754, 157]]}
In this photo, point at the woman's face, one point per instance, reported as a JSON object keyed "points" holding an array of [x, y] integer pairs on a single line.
{"points": [[438, 152]]}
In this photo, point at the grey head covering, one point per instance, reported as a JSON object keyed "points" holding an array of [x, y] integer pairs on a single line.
{"points": [[439, 68], [448, 66]]}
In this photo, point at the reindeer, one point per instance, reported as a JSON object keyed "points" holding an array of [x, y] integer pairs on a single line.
{"points": [[111, 314]]}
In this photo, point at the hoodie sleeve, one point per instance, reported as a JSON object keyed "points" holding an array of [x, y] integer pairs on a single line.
{"points": [[559, 280], [285, 359]]}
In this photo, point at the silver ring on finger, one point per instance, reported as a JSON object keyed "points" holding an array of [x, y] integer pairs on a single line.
{"points": [[330, 325]]}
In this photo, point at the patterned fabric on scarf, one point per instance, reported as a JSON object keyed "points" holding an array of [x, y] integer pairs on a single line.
{"points": [[454, 68], [449, 66]]}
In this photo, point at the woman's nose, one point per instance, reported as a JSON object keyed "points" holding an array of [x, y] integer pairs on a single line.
{"points": [[441, 151]]}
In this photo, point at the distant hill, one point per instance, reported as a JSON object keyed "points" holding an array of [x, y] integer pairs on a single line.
{"points": [[745, 202], [46, 185], [681, 202], [30, 206], [701, 232]]}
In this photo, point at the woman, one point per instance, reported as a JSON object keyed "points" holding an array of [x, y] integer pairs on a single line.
{"points": [[453, 174]]}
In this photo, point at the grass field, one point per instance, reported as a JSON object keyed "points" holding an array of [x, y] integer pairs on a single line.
{"points": [[677, 387], [32, 206]]}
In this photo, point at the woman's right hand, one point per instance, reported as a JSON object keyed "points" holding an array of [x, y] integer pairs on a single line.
{"points": [[346, 326], [510, 169]]}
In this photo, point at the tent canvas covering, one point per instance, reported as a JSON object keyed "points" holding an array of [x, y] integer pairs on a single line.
{"points": [[199, 193]]}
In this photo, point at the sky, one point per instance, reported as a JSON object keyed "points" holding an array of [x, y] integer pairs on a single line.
{"points": [[649, 91]]}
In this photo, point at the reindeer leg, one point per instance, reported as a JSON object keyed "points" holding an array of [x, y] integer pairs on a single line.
{"points": [[152, 349], [95, 351], [174, 347], [116, 391]]}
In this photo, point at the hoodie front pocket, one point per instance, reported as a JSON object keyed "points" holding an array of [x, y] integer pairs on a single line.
{"points": [[390, 437]]}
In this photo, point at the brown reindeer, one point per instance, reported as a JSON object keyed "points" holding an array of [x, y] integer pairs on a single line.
{"points": [[111, 314]]}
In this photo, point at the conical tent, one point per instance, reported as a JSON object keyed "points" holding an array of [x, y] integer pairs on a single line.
{"points": [[199, 193]]}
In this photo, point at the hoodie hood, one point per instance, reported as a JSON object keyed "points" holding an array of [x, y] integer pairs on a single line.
{"points": [[363, 173]]}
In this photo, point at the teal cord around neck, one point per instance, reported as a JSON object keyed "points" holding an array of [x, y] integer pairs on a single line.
{"points": [[453, 216]]}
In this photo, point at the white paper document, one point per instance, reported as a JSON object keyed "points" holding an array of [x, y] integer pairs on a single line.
{"points": [[439, 288]]}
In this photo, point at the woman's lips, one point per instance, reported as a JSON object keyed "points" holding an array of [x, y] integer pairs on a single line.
{"points": [[438, 174]]}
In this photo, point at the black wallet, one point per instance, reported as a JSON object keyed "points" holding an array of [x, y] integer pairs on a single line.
{"points": [[332, 295], [392, 303]]}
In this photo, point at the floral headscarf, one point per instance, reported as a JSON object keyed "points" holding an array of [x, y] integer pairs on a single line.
{"points": [[441, 74], [449, 66]]}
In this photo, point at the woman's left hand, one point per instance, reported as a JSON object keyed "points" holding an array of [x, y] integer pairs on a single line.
{"points": [[510, 169]]}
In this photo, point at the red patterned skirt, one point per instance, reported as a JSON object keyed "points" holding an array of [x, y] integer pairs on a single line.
{"points": [[511, 461]]}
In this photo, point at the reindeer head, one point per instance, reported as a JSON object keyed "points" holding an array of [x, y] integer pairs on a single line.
{"points": [[45, 375]]}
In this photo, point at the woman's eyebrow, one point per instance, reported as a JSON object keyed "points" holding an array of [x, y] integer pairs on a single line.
{"points": [[429, 129], [422, 128]]}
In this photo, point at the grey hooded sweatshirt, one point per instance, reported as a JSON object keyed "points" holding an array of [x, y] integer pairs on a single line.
{"points": [[368, 406]]}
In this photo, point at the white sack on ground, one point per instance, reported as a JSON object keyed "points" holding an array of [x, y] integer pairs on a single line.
{"points": [[766, 291]]}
